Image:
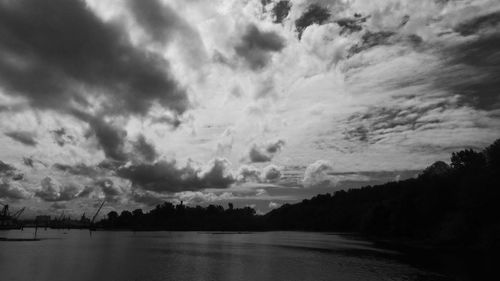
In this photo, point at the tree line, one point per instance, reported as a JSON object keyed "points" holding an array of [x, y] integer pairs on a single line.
{"points": [[452, 205], [168, 216]]}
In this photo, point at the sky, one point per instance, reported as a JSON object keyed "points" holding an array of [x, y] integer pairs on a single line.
{"points": [[254, 102]]}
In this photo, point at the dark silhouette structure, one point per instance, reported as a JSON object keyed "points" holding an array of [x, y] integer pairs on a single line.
{"points": [[447, 206]]}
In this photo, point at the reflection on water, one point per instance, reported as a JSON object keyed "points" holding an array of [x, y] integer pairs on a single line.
{"points": [[74, 255]]}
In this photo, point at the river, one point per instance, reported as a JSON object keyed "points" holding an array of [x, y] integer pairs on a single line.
{"points": [[106, 255]]}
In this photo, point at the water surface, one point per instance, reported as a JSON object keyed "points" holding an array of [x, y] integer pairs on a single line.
{"points": [[75, 255]]}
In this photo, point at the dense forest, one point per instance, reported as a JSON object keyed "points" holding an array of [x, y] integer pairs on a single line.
{"points": [[452, 205], [168, 216]]}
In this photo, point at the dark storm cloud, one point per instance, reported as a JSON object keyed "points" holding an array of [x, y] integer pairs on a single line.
{"points": [[350, 25], [315, 14], [30, 162], [160, 21], [24, 137], [257, 155], [471, 70], [110, 165], [111, 138], [78, 169], [6, 170], [373, 39], [166, 177], [266, 152], [479, 24], [162, 24], [255, 46], [281, 10], [9, 173], [51, 192], [468, 69], [265, 2], [56, 52], [7, 191], [359, 133], [145, 150]]}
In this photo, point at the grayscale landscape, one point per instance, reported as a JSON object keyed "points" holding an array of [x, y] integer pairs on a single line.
{"points": [[249, 139]]}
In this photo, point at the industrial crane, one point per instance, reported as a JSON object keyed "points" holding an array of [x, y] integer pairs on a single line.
{"points": [[8, 220], [17, 214], [5, 211], [91, 226]]}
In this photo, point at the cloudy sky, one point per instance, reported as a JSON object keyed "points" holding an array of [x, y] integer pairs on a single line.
{"points": [[255, 102]]}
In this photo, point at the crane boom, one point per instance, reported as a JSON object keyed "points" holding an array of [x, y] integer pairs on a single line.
{"points": [[18, 213], [96, 213], [61, 217]]}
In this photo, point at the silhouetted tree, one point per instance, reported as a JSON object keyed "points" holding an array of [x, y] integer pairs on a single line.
{"points": [[137, 213], [453, 207], [467, 159], [436, 169], [447, 206], [112, 216], [492, 153]]}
